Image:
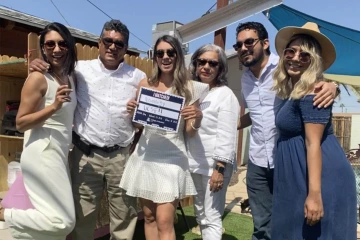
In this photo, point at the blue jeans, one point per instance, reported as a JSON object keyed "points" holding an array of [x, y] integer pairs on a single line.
{"points": [[259, 183]]}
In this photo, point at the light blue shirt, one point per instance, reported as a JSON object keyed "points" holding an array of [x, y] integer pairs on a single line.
{"points": [[263, 106]]}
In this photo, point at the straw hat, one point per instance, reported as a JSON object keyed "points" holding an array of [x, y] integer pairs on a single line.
{"points": [[284, 35]]}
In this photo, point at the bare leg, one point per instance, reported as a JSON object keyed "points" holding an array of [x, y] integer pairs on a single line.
{"points": [[165, 220], [149, 209]]}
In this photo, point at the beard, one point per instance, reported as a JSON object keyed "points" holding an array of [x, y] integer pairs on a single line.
{"points": [[254, 61]]}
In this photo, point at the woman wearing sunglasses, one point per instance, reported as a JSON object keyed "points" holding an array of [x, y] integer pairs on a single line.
{"points": [[158, 170], [314, 184], [45, 115], [212, 150]]}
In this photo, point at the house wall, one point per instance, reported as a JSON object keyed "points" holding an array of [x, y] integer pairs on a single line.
{"points": [[234, 76], [355, 131], [234, 79]]}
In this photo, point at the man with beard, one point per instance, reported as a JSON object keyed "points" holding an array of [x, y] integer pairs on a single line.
{"points": [[254, 53]]}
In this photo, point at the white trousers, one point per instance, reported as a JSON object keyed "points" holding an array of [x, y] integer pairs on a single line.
{"points": [[47, 181], [209, 207]]}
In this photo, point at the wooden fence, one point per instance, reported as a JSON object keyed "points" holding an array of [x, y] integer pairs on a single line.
{"points": [[85, 52], [6, 59], [342, 130]]}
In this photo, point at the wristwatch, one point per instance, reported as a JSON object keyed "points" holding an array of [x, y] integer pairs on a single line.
{"points": [[220, 169]]}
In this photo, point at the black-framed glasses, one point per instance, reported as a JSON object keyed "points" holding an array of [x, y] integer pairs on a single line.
{"points": [[109, 41], [203, 62], [50, 45], [290, 53], [169, 52], [250, 42]]}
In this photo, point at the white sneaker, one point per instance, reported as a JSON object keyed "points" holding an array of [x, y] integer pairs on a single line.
{"points": [[196, 230]]}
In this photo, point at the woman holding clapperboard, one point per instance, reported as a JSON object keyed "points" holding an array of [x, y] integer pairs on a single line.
{"points": [[212, 151], [158, 170]]}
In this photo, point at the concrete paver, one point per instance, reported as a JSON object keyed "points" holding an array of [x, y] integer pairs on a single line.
{"points": [[236, 193]]}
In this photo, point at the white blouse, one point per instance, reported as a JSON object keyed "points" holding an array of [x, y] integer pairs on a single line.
{"points": [[216, 138]]}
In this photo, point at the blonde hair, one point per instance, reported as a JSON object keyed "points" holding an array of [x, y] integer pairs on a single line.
{"points": [[312, 75], [181, 83]]}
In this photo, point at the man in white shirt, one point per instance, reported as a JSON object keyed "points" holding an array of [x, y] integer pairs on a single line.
{"points": [[103, 133], [254, 52]]}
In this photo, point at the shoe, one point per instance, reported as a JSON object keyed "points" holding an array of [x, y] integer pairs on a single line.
{"points": [[196, 230]]}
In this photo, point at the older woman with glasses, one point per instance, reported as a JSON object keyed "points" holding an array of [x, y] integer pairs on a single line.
{"points": [[212, 150]]}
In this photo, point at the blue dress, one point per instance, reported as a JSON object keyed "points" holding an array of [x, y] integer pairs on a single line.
{"points": [[290, 178]]}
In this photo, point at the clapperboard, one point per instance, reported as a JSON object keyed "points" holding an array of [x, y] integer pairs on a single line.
{"points": [[158, 109]]}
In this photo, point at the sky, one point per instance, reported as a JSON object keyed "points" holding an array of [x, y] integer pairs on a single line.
{"points": [[141, 15]]}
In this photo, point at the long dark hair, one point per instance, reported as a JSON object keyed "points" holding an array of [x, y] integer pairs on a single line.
{"points": [[71, 57]]}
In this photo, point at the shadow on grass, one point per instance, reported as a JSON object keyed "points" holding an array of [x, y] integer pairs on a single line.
{"points": [[236, 227]]}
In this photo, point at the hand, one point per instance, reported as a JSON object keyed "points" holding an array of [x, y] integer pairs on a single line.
{"points": [[38, 65], [131, 106], [216, 181], [325, 94], [190, 112], [62, 95], [313, 208]]}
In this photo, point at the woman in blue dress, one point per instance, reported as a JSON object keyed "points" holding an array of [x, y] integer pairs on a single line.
{"points": [[314, 184]]}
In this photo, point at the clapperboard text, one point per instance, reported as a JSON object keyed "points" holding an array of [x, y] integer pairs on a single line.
{"points": [[159, 110]]}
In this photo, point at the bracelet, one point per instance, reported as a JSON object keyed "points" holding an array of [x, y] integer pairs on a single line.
{"points": [[192, 125], [338, 91]]}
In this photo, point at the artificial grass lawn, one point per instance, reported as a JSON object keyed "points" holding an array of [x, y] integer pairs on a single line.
{"points": [[237, 227]]}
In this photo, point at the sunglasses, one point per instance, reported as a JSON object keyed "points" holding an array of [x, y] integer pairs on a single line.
{"points": [[50, 45], [202, 62], [250, 42], [108, 42], [169, 52], [290, 53]]}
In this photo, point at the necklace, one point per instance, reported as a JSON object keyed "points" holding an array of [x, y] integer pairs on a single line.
{"points": [[60, 80]]}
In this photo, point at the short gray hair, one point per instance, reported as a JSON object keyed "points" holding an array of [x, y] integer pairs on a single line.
{"points": [[221, 78]]}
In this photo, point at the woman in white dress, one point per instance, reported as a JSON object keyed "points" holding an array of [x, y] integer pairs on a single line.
{"points": [[158, 170], [46, 112], [212, 150]]}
